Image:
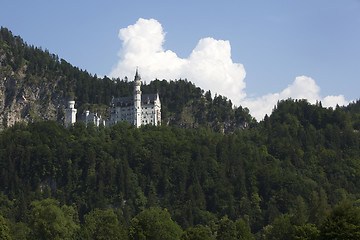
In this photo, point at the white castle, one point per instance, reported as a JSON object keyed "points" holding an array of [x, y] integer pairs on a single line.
{"points": [[139, 109]]}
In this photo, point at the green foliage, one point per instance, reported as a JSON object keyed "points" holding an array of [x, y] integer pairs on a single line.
{"points": [[343, 222], [353, 106], [196, 233], [154, 223], [20, 230], [101, 225], [284, 166], [243, 230], [50, 221], [228, 229], [4, 229], [306, 232], [280, 229]]}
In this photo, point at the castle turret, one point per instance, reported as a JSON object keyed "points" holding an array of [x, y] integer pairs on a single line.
{"points": [[137, 99], [70, 113], [157, 106]]}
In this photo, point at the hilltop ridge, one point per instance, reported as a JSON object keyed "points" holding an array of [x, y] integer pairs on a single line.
{"points": [[36, 84]]}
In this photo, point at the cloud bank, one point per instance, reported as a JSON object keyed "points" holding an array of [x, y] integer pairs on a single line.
{"points": [[209, 66], [302, 88]]}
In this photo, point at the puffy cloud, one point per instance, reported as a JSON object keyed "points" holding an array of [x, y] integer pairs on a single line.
{"points": [[142, 46], [332, 101], [209, 66], [302, 88]]}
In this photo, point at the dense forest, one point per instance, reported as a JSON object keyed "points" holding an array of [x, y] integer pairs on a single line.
{"points": [[203, 174], [283, 176]]}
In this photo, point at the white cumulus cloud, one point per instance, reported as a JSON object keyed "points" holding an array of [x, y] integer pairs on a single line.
{"points": [[209, 66], [302, 88]]}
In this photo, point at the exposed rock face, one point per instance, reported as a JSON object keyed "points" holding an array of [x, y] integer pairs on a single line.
{"points": [[26, 99]]}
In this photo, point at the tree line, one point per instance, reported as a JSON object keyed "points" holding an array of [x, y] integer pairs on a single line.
{"points": [[283, 176]]}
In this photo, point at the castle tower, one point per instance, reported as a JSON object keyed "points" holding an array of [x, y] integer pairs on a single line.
{"points": [[137, 100], [157, 107], [70, 113]]}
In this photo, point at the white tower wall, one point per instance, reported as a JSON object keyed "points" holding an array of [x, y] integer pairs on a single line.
{"points": [[157, 108], [70, 113], [137, 100]]}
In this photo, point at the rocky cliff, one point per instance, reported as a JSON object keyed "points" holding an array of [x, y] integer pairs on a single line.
{"points": [[25, 97]]}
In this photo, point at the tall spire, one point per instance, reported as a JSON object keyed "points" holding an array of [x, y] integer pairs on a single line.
{"points": [[137, 76]]}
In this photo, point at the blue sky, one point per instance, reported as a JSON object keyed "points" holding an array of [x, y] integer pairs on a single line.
{"points": [[275, 41]]}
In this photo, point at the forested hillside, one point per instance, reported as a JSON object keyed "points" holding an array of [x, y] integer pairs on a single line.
{"points": [[35, 85], [209, 172], [287, 173]]}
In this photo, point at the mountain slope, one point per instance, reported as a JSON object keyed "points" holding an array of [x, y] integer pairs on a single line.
{"points": [[35, 85], [24, 95], [289, 170], [298, 163]]}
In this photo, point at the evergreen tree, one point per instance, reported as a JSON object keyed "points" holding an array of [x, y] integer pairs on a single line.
{"points": [[342, 223]]}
